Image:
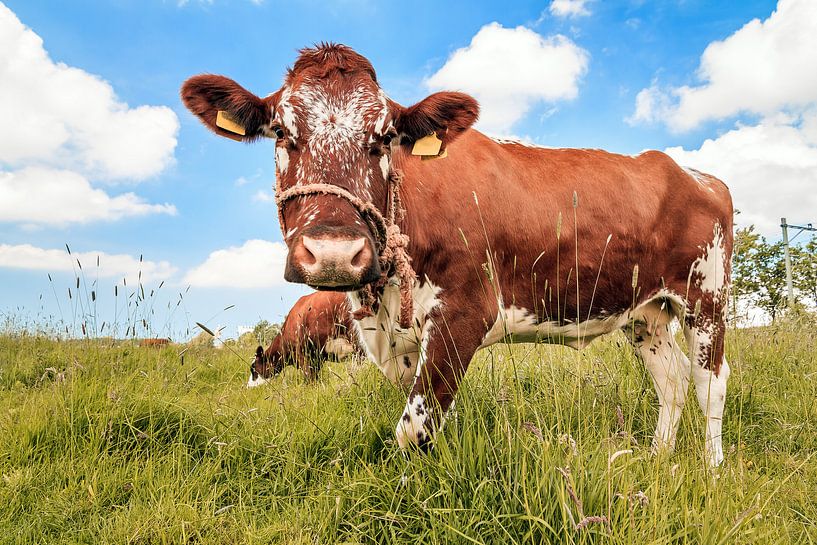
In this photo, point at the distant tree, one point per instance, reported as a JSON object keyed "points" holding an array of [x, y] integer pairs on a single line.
{"points": [[264, 332], [804, 269], [202, 339], [771, 277], [745, 272]]}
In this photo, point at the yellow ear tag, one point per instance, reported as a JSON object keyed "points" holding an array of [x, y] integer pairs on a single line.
{"points": [[227, 123], [442, 155], [427, 145]]}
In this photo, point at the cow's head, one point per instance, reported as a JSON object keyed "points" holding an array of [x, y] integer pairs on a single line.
{"points": [[332, 124], [264, 366]]}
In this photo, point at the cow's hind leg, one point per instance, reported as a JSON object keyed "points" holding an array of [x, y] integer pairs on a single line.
{"points": [[710, 372], [650, 335]]}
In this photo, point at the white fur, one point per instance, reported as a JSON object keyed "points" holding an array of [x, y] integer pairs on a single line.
{"points": [[257, 382], [711, 265], [281, 159], [520, 325], [386, 342], [288, 112], [411, 426], [711, 393], [384, 166], [380, 122], [669, 367], [702, 180], [339, 347]]}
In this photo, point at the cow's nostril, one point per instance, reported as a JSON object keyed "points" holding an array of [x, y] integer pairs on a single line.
{"points": [[363, 255], [308, 249]]}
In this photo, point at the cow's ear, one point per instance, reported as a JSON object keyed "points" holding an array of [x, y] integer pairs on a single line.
{"points": [[259, 352], [225, 107], [446, 114]]}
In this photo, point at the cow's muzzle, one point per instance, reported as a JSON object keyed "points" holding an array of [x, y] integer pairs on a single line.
{"points": [[332, 259]]}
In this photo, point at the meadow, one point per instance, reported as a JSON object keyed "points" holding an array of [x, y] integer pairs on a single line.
{"points": [[105, 442]]}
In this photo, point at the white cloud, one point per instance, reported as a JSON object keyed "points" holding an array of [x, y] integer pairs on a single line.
{"points": [[569, 8], [263, 196], [770, 168], [64, 127], [255, 264], [25, 256], [764, 67], [58, 115], [44, 196], [509, 70]]}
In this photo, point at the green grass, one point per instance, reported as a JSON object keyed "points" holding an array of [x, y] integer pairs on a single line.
{"points": [[120, 444]]}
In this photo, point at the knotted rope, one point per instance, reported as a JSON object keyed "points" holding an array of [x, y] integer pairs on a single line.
{"points": [[392, 244]]}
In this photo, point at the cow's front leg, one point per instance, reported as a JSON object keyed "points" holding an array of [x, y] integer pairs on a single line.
{"points": [[451, 343]]}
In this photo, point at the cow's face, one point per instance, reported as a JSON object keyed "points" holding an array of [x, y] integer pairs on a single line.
{"points": [[264, 366], [333, 125]]}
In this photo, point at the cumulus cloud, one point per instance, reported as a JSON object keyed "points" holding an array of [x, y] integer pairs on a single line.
{"points": [[764, 67], [509, 70], [45, 196], [569, 8], [25, 256], [64, 127], [255, 264], [60, 115], [770, 168]]}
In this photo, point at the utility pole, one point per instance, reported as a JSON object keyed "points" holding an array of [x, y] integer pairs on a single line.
{"points": [[789, 287], [785, 226]]}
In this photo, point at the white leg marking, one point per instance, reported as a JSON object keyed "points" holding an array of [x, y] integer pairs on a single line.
{"points": [[411, 427], [670, 369], [711, 393]]}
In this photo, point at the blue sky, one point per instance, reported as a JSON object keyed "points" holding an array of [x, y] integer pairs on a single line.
{"points": [[727, 87]]}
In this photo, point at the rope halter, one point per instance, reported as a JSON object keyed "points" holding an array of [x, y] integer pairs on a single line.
{"points": [[392, 244]]}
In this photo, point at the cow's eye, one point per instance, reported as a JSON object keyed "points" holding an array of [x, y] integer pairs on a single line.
{"points": [[279, 132], [387, 139]]}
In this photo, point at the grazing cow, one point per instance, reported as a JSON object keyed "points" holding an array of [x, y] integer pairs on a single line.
{"points": [[155, 342], [317, 327], [498, 241]]}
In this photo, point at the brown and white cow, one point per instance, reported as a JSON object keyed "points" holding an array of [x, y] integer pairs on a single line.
{"points": [[154, 342], [508, 241], [316, 328]]}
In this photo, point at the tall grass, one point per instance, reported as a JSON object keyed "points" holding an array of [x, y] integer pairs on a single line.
{"points": [[105, 442]]}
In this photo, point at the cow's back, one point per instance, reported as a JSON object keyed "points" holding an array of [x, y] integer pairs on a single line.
{"points": [[543, 214]]}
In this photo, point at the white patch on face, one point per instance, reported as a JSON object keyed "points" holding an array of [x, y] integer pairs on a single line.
{"points": [[386, 343], [288, 113], [380, 122], [281, 159], [711, 265], [411, 427], [384, 166], [256, 382], [335, 121], [337, 126]]}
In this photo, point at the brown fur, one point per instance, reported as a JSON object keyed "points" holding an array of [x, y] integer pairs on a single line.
{"points": [[313, 320], [155, 343]]}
